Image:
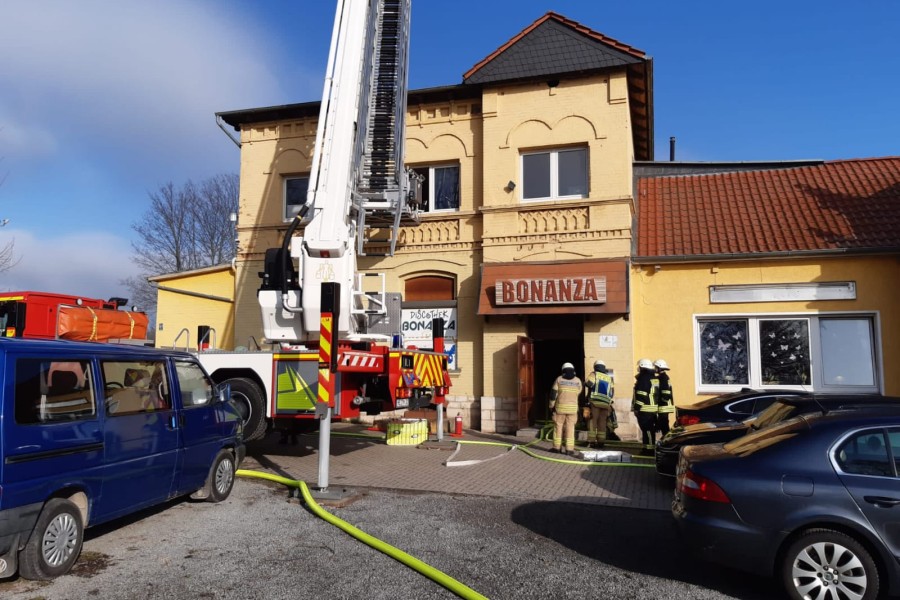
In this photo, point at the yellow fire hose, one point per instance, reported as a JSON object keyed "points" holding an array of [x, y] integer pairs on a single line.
{"points": [[438, 577], [428, 571]]}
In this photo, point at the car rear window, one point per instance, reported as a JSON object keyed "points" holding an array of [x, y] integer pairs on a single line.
{"points": [[865, 453]]}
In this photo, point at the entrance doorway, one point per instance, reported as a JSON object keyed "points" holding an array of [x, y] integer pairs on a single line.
{"points": [[557, 339]]}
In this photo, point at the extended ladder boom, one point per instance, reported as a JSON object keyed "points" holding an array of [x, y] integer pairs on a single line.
{"points": [[357, 178]]}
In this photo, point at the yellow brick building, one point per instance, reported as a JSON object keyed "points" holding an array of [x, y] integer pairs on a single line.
{"points": [[525, 239]]}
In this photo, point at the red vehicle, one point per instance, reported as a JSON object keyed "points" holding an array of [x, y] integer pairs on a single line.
{"points": [[339, 349], [52, 316]]}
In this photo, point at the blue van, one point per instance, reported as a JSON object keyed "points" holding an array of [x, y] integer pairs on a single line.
{"points": [[91, 432]]}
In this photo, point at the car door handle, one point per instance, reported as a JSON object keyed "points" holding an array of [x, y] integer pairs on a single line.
{"points": [[882, 501]]}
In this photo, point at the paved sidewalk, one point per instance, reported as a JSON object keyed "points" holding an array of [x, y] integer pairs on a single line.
{"points": [[361, 459]]}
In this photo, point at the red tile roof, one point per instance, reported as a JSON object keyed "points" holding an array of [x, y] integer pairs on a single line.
{"points": [[851, 205]]}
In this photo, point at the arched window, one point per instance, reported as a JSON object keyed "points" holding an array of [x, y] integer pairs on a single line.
{"points": [[429, 288]]}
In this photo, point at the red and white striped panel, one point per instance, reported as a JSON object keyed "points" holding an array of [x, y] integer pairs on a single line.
{"points": [[361, 362]]}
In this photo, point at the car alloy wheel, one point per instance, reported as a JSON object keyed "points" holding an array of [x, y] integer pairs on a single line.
{"points": [[829, 564]]}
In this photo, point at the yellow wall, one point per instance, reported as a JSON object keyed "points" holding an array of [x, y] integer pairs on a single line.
{"points": [[485, 137], [177, 311], [664, 304]]}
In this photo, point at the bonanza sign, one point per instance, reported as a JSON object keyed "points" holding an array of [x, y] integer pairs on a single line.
{"points": [[416, 323], [563, 290]]}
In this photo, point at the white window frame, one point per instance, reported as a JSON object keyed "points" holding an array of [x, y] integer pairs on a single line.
{"points": [[815, 348], [284, 192], [431, 180], [554, 174]]}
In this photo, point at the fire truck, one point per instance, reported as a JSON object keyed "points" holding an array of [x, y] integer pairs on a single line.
{"points": [[63, 316], [357, 182]]}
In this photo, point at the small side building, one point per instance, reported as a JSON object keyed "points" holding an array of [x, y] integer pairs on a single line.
{"points": [[191, 300], [772, 276]]}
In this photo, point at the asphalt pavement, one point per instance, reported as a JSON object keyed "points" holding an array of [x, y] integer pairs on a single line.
{"points": [[507, 524]]}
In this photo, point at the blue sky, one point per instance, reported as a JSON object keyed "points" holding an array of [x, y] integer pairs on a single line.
{"points": [[102, 102]]}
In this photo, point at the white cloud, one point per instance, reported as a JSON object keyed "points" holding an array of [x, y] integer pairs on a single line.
{"points": [[149, 75], [87, 264], [27, 141]]}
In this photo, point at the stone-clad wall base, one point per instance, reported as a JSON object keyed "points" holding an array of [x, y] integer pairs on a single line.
{"points": [[499, 415]]}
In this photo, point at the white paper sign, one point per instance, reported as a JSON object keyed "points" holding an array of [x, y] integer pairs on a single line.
{"points": [[609, 341]]}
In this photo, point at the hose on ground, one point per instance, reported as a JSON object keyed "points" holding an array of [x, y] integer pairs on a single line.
{"points": [[541, 437], [439, 577]]}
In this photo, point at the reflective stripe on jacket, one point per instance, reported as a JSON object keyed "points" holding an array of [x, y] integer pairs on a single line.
{"points": [[601, 386], [646, 388], [566, 392]]}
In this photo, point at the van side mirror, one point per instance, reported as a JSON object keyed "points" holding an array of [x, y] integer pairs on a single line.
{"points": [[223, 391]]}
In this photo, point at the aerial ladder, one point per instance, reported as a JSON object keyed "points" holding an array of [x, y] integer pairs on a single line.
{"points": [[331, 361], [357, 182]]}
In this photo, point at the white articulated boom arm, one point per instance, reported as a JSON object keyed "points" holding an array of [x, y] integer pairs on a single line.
{"points": [[357, 178]]}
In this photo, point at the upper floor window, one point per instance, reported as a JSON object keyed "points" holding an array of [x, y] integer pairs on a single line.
{"points": [[294, 195], [440, 187], [555, 174]]}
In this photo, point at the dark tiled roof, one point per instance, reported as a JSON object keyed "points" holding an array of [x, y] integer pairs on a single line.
{"points": [[847, 205], [552, 45]]}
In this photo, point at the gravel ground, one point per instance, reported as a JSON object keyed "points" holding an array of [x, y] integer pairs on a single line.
{"points": [[260, 544]]}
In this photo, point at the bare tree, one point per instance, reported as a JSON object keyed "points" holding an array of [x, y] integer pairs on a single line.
{"points": [[184, 228], [7, 251]]}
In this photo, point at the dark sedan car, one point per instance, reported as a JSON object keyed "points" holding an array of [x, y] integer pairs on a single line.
{"points": [[735, 406], [814, 500], [783, 408]]}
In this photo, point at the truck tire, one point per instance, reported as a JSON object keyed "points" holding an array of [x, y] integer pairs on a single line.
{"points": [[55, 542], [251, 403]]}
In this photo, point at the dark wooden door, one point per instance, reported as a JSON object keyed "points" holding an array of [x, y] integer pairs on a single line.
{"points": [[525, 347]]}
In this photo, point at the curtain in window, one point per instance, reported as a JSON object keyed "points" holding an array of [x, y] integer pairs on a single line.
{"points": [[784, 352], [446, 189], [723, 352]]}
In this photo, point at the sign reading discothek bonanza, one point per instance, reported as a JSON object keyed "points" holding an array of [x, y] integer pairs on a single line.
{"points": [[416, 323], [563, 290]]}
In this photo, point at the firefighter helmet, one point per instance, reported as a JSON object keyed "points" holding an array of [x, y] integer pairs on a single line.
{"points": [[645, 363], [568, 366], [661, 364], [599, 363]]}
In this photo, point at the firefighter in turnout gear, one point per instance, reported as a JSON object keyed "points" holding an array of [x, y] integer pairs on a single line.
{"points": [[599, 385], [666, 404], [564, 404], [644, 402]]}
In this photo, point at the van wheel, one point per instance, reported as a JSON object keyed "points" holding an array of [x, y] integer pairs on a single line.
{"points": [[221, 476], [250, 403], [827, 563], [54, 544]]}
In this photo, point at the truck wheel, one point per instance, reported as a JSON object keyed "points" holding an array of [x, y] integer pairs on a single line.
{"points": [[250, 403], [54, 544]]}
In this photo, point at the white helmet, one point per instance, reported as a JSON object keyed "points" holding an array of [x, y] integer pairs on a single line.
{"points": [[568, 366], [599, 363], [645, 363], [661, 365]]}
